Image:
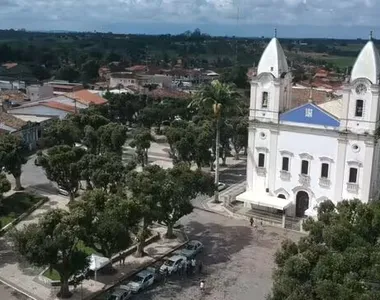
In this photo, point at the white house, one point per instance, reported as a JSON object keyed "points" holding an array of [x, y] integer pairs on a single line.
{"points": [[299, 157]]}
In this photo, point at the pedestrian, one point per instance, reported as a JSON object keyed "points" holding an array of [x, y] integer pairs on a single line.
{"points": [[166, 274], [202, 285], [200, 267], [251, 221], [188, 268], [193, 265]]}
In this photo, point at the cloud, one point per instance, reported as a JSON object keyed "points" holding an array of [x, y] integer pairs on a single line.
{"points": [[94, 14]]}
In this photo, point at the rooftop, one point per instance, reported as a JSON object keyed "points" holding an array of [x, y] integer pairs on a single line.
{"points": [[11, 121], [273, 60], [86, 97], [367, 64]]}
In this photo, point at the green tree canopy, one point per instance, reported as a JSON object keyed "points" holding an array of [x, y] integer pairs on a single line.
{"points": [[13, 154], [145, 188], [142, 139], [179, 186], [62, 165], [107, 221], [338, 260], [53, 242], [61, 132]]}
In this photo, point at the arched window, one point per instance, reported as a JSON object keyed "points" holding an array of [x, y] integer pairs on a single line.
{"points": [[264, 100], [359, 108]]}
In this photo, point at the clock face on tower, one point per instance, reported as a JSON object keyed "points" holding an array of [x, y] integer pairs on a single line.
{"points": [[361, 89]]}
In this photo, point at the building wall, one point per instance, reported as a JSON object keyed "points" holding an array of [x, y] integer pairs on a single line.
{"points": [[39, 92], [317, 148], [115, 81], [39, 110]]}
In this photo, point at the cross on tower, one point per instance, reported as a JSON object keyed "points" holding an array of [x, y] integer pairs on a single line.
{"points": [[371, 35], [275, 32]]}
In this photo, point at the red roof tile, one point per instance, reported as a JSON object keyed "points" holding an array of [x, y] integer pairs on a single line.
{"points": [[58, 105], [86, 97]]}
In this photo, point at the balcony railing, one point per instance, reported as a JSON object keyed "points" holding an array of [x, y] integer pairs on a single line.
{"points": [[261, 171], [352, 187], [304, 179], [324, 182], [285, 175]]}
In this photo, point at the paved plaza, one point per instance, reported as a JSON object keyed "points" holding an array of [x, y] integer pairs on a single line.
{"points": [[238, 260]]}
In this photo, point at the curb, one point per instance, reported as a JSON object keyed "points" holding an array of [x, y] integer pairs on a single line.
{"points": [[211, 211], [18, 290]]}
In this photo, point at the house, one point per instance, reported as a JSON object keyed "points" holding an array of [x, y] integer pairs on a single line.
{"points": [[62, 87], [39, 92], [30, 131], [123, 79], [52, 109], [301, 156], [86, 98]]}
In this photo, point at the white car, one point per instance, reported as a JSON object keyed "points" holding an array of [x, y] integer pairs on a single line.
{"points": [[140, 281], [173, 264], [192, 249], [120, 294], [221, 186]]}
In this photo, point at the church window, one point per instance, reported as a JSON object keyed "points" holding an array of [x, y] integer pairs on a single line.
{"points": [[261, 160], [285, 164], [308, 113], [305, 167], [264, 102], [359, 108], [325, 170], [353, 176]]}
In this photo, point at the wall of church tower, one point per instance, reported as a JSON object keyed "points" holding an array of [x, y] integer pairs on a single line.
{"points": [[269, 97], [361, 109]]}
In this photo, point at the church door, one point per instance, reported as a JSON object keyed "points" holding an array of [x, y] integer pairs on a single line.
{"points": [[302, 203]]}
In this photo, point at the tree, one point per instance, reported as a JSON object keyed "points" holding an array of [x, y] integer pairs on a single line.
{"points": [[13, 154], [61, 165], [53, 242], [223, 100], [238, 132], [180, 185], [107, 221], [145, 187], [68, 73], [5, 185], [105, 172], [141, 142], [112, 138], [337, 260], [61, 132]]}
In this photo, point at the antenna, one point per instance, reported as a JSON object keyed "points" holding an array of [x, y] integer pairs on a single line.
{"points": [[237, 29], [371, 35], [275, 32]]}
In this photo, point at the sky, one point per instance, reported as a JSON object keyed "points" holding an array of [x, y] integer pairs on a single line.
{"points": [[293, 18]]}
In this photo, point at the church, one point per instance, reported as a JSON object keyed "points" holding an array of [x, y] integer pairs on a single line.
{"points": [[300, 157]]}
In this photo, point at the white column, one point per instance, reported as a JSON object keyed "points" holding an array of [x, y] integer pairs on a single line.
{"points": [[250, 158], [340, 169], [271, 168], [366, 173]]}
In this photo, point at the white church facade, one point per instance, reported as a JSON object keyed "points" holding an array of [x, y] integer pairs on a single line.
{"points": [[299, 157]]}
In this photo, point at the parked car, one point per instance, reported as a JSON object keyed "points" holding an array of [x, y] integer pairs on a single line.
{"points": [[172, 264], [141, 281], [221, 186], [62, 191], [120, 294], [191, 249]]}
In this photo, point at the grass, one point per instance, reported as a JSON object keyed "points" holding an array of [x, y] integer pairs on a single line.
{"points": [[15, 205], [53, 274], [340, 61]]}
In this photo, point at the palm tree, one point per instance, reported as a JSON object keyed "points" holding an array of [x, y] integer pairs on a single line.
{"points": [[224, 101]]}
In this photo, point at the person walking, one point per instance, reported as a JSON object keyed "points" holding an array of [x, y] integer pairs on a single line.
{"points": [[202, 285], [193, 265], [251, 221], [200, 267], [188, 267]]}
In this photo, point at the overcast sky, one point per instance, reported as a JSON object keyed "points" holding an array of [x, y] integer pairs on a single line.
{"points": [[293, 18]]}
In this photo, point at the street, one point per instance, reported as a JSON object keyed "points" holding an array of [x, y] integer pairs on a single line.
{"points": [[7, 293], [237, 259]]}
